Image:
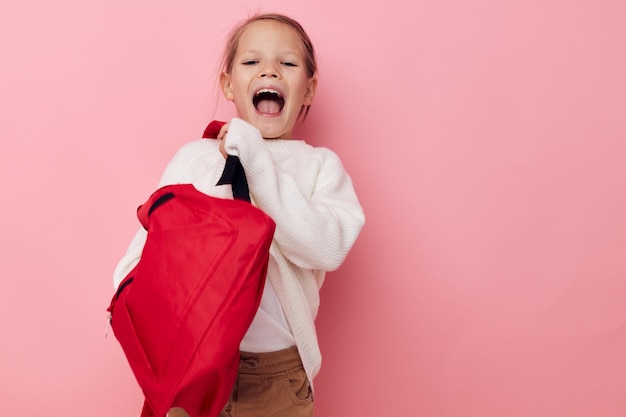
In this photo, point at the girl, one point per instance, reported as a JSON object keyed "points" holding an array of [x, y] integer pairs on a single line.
{"points": [[269, 73]]}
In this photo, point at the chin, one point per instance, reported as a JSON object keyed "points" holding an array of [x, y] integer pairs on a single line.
{"points": [[274, 135], [269, 130]]}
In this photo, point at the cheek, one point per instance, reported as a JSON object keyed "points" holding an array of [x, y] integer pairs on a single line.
{"points": [[300, 94], [240, 94]]}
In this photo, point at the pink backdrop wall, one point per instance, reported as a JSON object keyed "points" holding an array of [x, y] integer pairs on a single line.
{"points": [[487, 141]]}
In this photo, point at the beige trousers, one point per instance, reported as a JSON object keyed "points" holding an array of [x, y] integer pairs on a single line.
{"points": [[270, 385]]}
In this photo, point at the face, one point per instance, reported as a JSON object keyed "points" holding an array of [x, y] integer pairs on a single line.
{"points": [[268, 82]]}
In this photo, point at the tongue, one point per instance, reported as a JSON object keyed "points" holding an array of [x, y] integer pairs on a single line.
{"points": [[268, 106]]}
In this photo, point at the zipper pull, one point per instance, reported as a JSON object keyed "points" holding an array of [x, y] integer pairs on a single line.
{"points": [[106, 332]]}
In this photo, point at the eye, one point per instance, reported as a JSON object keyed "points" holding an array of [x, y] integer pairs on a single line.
{"points": [[289, 64], [250, 62]]}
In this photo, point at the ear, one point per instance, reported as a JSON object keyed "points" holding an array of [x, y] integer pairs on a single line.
{"points": [[310, 91], [227, 87]]}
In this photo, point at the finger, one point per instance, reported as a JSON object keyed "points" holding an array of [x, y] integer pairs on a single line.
{"points": [[223, 150], [223, 131]]}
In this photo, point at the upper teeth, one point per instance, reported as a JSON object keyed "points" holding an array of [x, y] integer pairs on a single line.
{"points": [[268, 90]]}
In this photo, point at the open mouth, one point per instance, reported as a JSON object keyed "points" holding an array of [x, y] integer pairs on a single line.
{"points": [[268, 101]]}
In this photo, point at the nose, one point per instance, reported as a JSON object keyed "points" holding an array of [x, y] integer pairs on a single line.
{"points": [[269, 71], [268, 74]]}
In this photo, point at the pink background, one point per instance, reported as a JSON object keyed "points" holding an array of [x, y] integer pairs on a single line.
{"points": [[487, 142]]}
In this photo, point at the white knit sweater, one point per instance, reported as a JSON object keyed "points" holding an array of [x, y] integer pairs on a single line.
{"points": [[309, 195]]}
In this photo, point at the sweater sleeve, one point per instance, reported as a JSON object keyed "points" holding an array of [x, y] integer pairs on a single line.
{"points": [[313, 231]]}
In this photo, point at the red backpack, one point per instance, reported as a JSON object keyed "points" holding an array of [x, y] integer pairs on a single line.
{"points": [[182, 312]]}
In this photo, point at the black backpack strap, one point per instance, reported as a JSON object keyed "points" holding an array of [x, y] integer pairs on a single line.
{"points": [[235, 176]]}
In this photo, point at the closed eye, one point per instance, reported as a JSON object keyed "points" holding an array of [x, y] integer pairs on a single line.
{"points": [[250, 62], [289, 64]]}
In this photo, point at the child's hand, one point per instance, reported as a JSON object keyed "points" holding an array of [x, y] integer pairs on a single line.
{"points": [[221, 137], [177, 412]]}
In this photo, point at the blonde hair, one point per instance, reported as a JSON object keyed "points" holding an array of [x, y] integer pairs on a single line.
{"points": [[232, 43]]}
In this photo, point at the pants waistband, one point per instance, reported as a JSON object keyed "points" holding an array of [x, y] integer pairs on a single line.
{"points": [[270, 362]]}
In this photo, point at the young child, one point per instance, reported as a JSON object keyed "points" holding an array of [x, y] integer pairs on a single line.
{"points": [[269, 73]]}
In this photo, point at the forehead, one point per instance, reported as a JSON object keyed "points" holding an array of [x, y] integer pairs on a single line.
{"points": [[265, 34]]}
